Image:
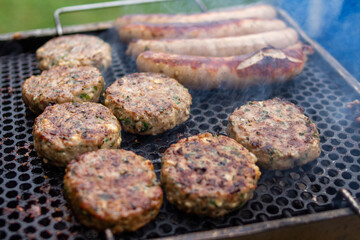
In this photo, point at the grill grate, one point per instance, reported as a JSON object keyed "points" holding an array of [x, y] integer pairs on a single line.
{"points": [[31, 200]]}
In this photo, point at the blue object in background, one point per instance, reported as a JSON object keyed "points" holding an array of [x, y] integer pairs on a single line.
{"points": [[334, 24]]}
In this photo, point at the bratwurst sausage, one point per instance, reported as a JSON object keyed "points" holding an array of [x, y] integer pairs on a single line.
{"points": [[217, 47], [255, 11], [223, 28], [265, 66]]}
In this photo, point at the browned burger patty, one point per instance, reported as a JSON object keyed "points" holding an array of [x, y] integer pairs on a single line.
{"points": [[277, 132], [148, 103], [113, 189], [74, 50], [209, 175], [62, 84], [64, 131]]}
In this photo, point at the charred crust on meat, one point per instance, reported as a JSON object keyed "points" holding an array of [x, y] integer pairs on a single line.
{"points": [[208, 174]]}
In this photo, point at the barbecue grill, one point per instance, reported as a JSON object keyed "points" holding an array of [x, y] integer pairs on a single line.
{"points": [[300, 202]]}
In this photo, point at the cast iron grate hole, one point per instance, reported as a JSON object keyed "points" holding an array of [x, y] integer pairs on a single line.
{"points": [[339, 182], [14, 227], [44, 222], [306, 196], [13, 215], [297, 204], [9, 166], [272, 209], [355, 168], [348, 159], [256, 206], [24, 177], [322, 199], [327, 148], [11, 194], [291, 194], [326, 163], [315, 187], [282, 201], [11, 184], [39, 180], [332, 173], [30, 229], [335, 141], [318, 170], [300, 186], [340, 166], [62, 236], [332, 156], [276, 190], [15, 237], [331, 191], [60, 226], [346, 175], [266, 198], [354, 185], [45, 234], [342, 135], [355, 152], [324, 180]]}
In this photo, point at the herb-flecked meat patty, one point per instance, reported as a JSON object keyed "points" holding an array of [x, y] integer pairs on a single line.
{"points": [[113, 189], [277, 132], [74, 50], [64, 131], [62, 84], [208, 175], [148, 103]]}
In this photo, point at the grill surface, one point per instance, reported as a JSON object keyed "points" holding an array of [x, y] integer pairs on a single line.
{"points": [[31, 200]]}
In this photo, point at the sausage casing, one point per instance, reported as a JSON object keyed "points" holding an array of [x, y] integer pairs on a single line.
{"points": [[217, 47], [255, 11], [216, 29], [268, 65]]}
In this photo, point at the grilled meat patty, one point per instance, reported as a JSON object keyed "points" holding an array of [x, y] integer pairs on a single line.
{"points": [[277, 132], [62, 84], [64, 131], [209, 175], [74, 50], [148, 103], [113, 189]]}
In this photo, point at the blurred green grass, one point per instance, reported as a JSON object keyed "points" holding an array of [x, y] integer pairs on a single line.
{"points": [[22, 15]]}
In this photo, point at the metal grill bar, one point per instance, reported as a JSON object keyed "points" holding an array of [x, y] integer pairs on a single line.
{"points": [[85, 7]]}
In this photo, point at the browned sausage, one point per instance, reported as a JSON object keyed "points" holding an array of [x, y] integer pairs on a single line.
{"points": [[255, 11], [217, 47], [265, 66], [224, 28]]}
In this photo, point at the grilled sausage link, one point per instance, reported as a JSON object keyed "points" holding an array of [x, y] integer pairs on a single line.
{"points": [[217, 47], [255, 11], [224, 28], [265, 66]]}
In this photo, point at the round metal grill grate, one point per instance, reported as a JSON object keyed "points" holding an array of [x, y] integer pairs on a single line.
{"points": [[31, 201]]}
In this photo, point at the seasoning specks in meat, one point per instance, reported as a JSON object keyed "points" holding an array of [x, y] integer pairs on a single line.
{"points": [[62, 84], [148, 103], [277, 132], [208, 175], [113, 189], [64, 131], [74, 50]]}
